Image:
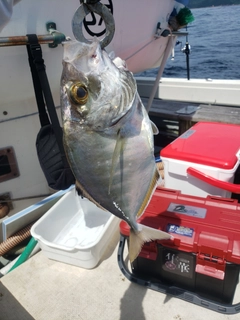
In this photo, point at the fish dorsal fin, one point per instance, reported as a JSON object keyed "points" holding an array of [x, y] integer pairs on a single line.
{"points": [[118, 150]]}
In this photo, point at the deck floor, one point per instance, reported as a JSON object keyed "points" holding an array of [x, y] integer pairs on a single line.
{"points": [[43, 289]]}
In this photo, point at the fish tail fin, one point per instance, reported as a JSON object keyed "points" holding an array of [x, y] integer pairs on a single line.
{"points": [[146, 234]]}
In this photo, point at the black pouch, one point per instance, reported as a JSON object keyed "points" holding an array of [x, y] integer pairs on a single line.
{"points": [[49, 142], [58, 174]]}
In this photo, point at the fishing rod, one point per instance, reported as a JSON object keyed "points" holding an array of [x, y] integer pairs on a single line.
{"points": [[187, 51]]}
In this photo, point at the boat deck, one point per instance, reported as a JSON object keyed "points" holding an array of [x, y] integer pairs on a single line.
{"points": [[174, 110], [43, 289]]}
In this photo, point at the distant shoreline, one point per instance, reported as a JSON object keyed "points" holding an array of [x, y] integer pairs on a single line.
{"points": [[194, 4], [212, 6]]}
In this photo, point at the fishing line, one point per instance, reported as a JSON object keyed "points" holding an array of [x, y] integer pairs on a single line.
{"points": [[140, 49], [156, 38]]}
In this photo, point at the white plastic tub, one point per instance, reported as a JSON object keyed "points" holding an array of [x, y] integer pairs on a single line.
{"points": [[75, 231]]}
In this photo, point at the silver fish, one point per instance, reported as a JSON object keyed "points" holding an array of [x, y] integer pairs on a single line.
{"points": [[108, 137]]}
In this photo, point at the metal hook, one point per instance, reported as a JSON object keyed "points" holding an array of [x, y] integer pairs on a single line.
{"points": [[101, 10]]}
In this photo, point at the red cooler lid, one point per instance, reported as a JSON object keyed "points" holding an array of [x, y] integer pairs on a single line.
{"points": [[207, 143]]}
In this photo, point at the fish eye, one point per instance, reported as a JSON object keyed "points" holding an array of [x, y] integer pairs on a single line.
{"points": [[78, 93]]}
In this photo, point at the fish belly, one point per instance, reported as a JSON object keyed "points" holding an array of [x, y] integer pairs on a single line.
{"points": [[121, 185]]}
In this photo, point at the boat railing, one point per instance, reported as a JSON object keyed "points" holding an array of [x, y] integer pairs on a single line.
{"points": [[53, 38]]}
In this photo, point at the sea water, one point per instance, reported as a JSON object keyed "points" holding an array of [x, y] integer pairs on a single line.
{"points": [[215, 46]]}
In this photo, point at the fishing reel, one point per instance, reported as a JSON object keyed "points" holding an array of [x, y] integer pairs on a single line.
{"points": [[186, 49], [86, 7]]}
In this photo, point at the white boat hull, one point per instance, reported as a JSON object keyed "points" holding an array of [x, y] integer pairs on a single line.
{"points": [[18, 111]]}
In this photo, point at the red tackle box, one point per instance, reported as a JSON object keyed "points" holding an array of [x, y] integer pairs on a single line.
{"points": [[203, 258]]}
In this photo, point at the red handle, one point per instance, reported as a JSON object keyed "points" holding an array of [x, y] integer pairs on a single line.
{"points": [[234, 188], [210, 271]]}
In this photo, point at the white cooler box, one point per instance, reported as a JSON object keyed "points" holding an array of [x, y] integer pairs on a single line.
{"points": [[203, 160]]}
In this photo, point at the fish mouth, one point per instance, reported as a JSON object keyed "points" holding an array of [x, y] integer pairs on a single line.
{"points": [[120, 64]]}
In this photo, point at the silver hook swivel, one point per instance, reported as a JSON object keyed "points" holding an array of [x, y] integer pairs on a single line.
{"points": [[93, 6]]}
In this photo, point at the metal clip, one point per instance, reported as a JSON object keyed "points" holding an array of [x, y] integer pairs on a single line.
{"points": [[100, 9]]}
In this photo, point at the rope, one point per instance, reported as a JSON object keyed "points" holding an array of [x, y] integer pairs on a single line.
{"points": [[160, 167], [140, 49], [160, 72]]}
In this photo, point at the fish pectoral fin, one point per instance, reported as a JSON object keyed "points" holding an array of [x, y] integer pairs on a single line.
{"points": [[154, 128], [115, 158], [146, 234]]}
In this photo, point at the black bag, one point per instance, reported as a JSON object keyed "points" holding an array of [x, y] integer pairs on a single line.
{"points": [[58, 175], [49, 142]]}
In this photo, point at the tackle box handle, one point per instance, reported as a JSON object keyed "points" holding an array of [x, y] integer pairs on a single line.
{"points": [[231, 187]]}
